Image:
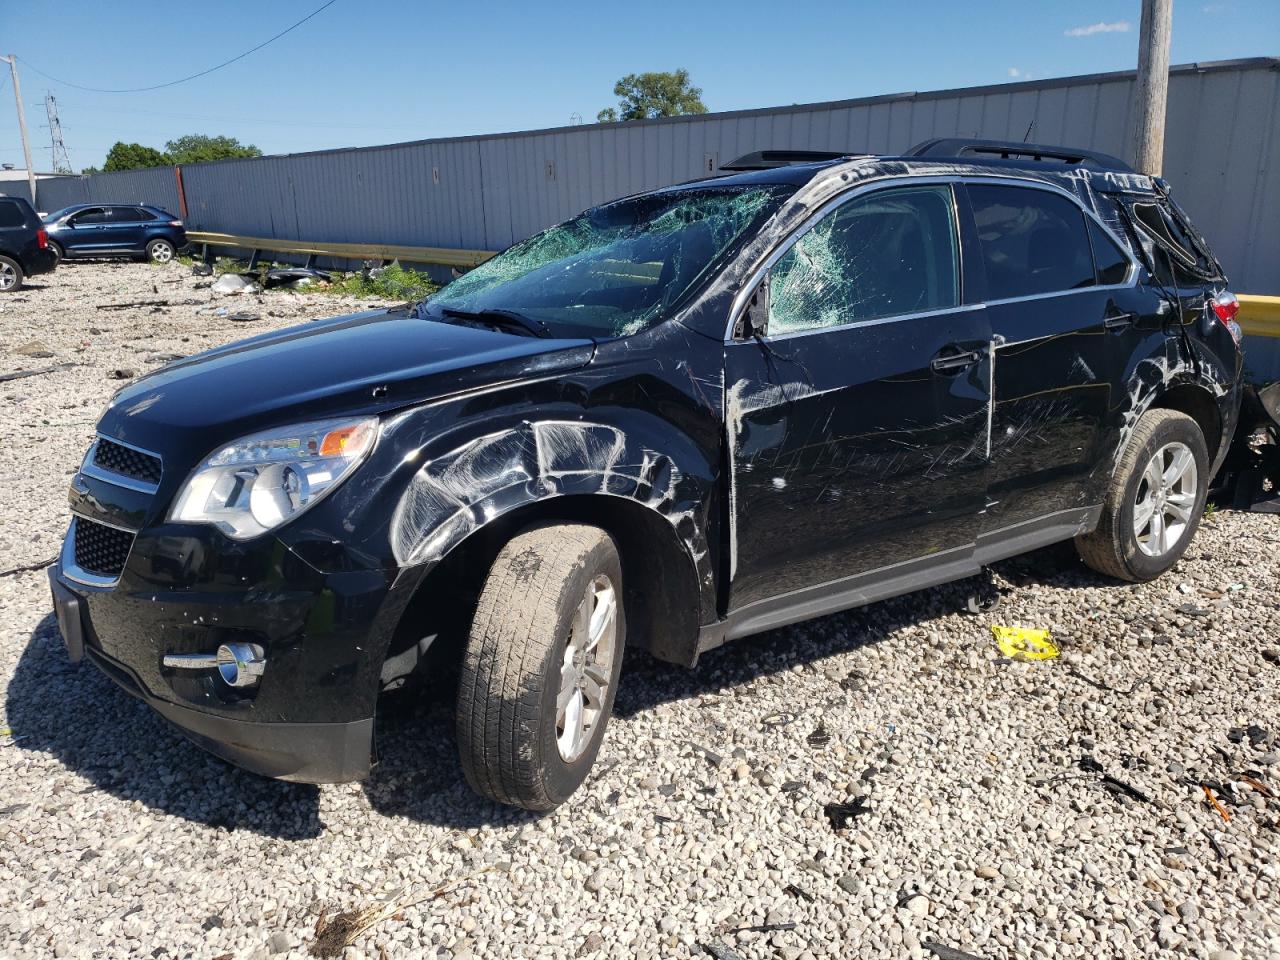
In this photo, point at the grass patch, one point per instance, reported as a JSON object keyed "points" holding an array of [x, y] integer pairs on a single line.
{"points": [[392, 283]]}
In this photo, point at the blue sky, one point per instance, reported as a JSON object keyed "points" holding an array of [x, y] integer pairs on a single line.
{"points": [[380, 71]]}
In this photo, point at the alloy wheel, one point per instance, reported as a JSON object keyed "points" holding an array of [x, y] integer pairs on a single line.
{"points": [[161, 253], [586, 668], [8, 276], [1165, 500]]}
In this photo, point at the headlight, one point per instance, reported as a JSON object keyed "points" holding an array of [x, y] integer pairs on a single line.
{"points": [[260, 481]]}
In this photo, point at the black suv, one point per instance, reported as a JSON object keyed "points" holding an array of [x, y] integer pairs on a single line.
{"points": [[24, 244], [681, 417], [132, 230]]}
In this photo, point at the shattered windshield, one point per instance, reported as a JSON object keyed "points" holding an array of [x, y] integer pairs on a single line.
{"points": [[615, 269]]}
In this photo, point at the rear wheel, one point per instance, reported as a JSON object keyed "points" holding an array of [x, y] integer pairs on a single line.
{"points": [[1156, 498], [541, 666], [10, 275], [160, 251]]}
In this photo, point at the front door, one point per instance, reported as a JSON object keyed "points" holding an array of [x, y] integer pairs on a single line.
{"points": [[857, 423], [88, 230]]}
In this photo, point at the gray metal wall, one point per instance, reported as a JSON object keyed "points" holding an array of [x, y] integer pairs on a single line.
{"points": [[1222, 153]]}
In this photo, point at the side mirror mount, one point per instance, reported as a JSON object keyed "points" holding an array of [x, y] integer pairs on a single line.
{"points": [[754, 319]]}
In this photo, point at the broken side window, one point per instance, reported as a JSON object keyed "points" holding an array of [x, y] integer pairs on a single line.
{"points": [[617, 268], [889, 253], [1176, 255]]}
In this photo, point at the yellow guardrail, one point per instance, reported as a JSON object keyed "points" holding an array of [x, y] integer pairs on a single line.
{"points": [[444, 256], [1259, 316]]}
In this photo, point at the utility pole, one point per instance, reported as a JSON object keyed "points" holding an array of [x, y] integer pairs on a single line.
{"points": [[22, 125], [1151, 89]]}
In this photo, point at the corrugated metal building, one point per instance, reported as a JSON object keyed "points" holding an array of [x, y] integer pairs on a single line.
{"points": [[486, 192]]}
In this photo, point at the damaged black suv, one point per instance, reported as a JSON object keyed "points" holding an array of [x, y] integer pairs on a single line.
{"points": [[678, 418]]}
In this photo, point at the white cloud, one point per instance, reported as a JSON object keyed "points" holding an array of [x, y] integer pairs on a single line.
{"points": [[1015, 72], [1213, 9], [1120, 26]]}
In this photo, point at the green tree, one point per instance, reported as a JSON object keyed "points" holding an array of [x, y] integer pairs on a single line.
{"points": [[197, 148], [133, 156], [643, 96]]}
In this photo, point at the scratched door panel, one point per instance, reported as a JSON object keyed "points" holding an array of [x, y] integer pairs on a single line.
{"points": [[850, 453], [1052, 391]]}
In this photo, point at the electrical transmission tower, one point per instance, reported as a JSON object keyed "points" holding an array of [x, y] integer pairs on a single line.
{"points": [[61, 162]]}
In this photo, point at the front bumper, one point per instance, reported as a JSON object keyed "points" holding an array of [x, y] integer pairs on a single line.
{"points": [[258, 740]]}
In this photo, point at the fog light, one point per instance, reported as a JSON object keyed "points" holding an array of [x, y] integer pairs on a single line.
{"points": [[241, 664]]}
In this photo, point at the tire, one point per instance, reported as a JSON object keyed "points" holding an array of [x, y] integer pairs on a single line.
{"points": [[58, 252], [1115, 548], [11, 275], [160, 251], [510, 738]]}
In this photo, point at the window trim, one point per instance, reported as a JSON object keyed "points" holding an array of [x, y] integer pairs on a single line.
{"points": [[743, 296]]}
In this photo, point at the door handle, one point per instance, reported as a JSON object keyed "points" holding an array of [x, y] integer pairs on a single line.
{"points": [[954, 362], [1117, 321]]}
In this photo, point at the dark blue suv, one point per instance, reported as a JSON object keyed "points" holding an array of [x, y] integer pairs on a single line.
{"points": [[111, 230]]}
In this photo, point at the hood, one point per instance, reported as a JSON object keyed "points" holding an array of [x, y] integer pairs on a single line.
{"points": [[358, 364]]}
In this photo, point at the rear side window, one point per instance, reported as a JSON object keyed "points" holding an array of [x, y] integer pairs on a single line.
{"points": [[890, 253], [11, 215], [123, 214], [1111, 264], [1033, 241]]}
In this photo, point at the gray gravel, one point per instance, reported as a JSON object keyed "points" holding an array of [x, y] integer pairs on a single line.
{"points": [[979, 830]]}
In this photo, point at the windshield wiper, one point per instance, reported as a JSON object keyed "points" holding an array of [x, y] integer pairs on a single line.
{"points": [[501, 318]]}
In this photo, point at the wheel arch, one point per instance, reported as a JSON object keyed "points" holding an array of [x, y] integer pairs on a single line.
{"points": [[1200, 405], [660, 579]]}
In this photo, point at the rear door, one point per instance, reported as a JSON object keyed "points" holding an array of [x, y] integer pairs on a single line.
{"points": [[857, 423], [1050, 317], [124, 229]]}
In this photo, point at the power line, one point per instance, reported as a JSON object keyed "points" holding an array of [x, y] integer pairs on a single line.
{"points": [[193, 76]]}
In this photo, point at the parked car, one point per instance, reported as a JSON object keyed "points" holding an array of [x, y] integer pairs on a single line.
{"points": [[114, 230], [679, 418], [24, 244]]}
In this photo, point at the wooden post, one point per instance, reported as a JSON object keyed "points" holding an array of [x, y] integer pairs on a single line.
{"points": [[22, 125], [1151, 89]]}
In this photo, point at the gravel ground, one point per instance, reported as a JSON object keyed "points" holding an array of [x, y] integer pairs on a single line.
{"points": [[974, 824]]}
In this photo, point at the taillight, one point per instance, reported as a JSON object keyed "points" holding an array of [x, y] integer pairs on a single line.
{"points": [[1225, 307], [42, 238]]}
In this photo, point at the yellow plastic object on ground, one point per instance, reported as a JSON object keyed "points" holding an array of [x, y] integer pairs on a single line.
{"points": [[1024, 642]]}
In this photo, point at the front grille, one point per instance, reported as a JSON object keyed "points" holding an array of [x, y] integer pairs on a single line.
{"points": [[100, 549], [126, 461]]}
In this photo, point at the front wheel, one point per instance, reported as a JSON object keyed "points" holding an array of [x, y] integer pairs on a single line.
{"points": [[540, 668], [56, 249], [160, 251], [1157, 495]]}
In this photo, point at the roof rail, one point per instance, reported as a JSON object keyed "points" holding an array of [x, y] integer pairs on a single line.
{"points": [[1012, 150], [769, 159]]}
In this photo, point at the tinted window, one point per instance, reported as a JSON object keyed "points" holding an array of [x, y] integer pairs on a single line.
{"points": [[142, 215], [1111, 263], [123, 214], [890, 253], [12, 214], [1032, 241], [96, 215]]}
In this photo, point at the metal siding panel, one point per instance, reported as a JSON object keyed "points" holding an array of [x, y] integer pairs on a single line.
{"points": [[494, 190]]}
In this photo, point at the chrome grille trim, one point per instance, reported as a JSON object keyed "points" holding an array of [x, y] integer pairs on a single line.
{"points": [[90, 467]]}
